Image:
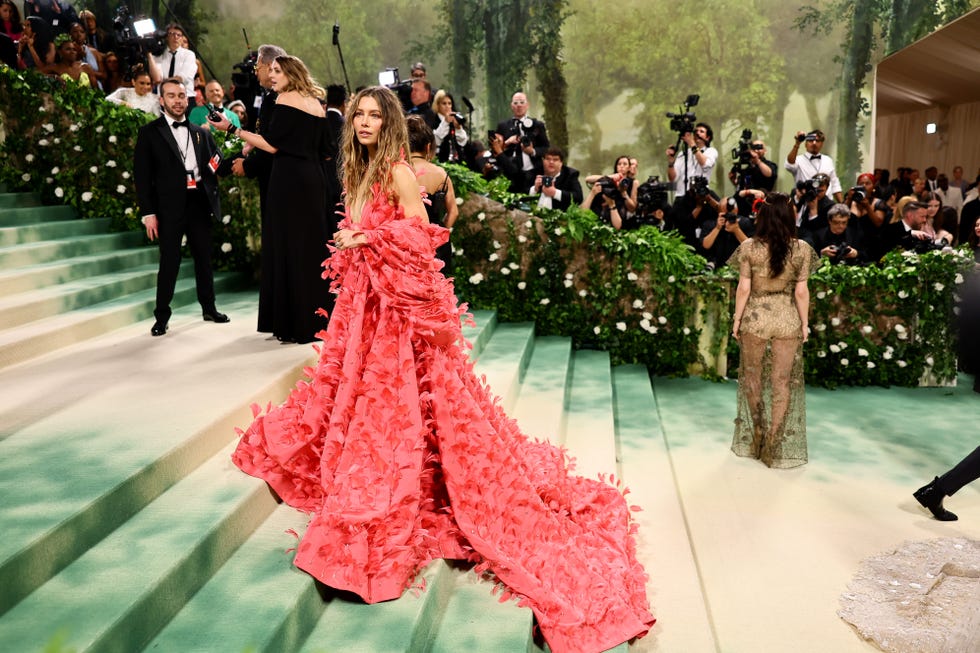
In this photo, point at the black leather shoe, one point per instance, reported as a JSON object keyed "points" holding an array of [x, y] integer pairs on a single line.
{"points": [[931, 498], [215, 316], [158, 329]]}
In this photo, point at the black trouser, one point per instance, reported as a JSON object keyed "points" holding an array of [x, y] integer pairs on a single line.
{"points": [[196, 224], [966, 471]]}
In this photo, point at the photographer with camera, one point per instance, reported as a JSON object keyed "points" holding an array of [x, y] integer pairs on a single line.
{"points": [[751, 171], [612, 197], [652, 205], [909, 232], [722, 234], [450, 134], [839, 239], [812, 204], [806, 167], [176, 61], [696, 157], [558, 185], [525, 141], [421, 100]]}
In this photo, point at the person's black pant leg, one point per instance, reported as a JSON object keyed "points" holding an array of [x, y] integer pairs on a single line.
{"points": [[170, 233], [966, 471], [199, 242]]}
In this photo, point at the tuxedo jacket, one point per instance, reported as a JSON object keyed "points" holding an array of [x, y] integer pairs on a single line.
{"points": [[537, 132], [571, 189], [158, 170], [894, 235]]}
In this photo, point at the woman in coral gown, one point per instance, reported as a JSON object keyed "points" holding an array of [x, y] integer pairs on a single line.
{"points": [[392, 440]]}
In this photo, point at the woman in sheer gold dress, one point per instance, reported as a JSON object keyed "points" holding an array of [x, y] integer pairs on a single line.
{"points": [[770, 323]]}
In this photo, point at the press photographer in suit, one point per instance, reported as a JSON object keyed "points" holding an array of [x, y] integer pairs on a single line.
{"points": [[525, 140], [559, 186], [175, 166]]}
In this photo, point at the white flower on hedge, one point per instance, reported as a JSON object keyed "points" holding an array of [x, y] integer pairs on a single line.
{"points": [[901, 363], [862, 352], [938, 286], [49, 180], [55, 170], [112, 138], [900, 328], [120, 189], [57, 141], [687, 331], [513, 266], [835, 349], [835, 321], [929, 361], [233, 190], [26, 176], [821, 295], [496, 245], [843, 345], [542, 271], [98, 130], [43, 142], [110, 163], [844, 361], [87, 196], [493, 257], [597, 330], [867, 328], [644, 323], [568, 275], [521, 286], [504, 271], [887, 354], [77, 148], [93, 169], [545, 301], [225, 247], [183, 241], [528, 224], [902, 294], [558, 231], [40, 108], [821, 354], [871, 365], [583, 293], [662, 319], [632, 276], [476, 278], [125, 175], [48, 127], [820, 327], [903, 336], [959, 278], [637, 303], [647, 315], [522, 238], [58, 192], [621, 326], [73, 127], [29, 158], [225, 219], [568, 283], [671, 279], [129, 210]]}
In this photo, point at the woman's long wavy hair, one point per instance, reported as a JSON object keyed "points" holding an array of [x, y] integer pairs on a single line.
{"points": [[392, 144], [298, 77], [775, 225]]}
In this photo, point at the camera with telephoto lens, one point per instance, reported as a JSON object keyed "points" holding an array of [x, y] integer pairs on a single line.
{"points": [[547, 181], [840, 253], [683, 121], [858, 194], [742, 154], [243, 76], [809, 188], [699, 186], [927, 245], [731, 210], [460, 118], [135, 39], [652, 194], [403, 89], [609, 187], [809, 136]]}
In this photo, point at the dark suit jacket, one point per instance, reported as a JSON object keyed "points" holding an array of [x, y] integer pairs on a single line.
{"points": [[895, 235], [571, 189], [158, 170], [520, 179]]}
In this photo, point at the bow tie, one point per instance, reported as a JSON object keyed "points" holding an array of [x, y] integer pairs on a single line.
{"points": [[179, 124], [814, 157]]}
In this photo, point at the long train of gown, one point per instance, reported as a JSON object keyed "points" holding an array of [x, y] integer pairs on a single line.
{"points": [[403, 455]]}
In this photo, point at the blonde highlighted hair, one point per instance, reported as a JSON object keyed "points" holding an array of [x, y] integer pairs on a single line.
{"points": [[362, 172], [298, 77]]}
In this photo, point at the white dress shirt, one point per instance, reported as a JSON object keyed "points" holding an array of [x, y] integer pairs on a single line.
{"points": [[808, 166], [185, 67]]}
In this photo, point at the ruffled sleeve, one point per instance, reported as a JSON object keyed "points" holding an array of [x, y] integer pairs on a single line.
{"points": [[400, 264]]}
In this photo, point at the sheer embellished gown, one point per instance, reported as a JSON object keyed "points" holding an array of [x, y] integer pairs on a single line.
{"points": [[296, 208], [771, 421], [403, 456]]}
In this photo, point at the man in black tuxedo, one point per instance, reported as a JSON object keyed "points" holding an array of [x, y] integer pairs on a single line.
{"points": [[907, 233], [258, 165], [525, 142], [175, 166], [421, 98], [558, 186]]}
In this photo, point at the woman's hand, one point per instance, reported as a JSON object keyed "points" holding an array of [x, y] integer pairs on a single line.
{"points": [[736, 324], [348, 238], [806, 332], [222, 125]]}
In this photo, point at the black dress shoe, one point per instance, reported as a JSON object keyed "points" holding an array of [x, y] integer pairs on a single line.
{"points": [[158, 329], [931, 498], [215, 316]]}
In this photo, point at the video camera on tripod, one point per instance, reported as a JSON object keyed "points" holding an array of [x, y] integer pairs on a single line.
{"points": [[402, 88], [136, 38], [684, 121]]}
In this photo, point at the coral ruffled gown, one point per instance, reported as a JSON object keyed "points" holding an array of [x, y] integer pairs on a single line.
{"points": [[403, 456]]}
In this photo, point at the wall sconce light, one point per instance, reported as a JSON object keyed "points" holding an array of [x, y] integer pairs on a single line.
{"points": [[930, 128]]}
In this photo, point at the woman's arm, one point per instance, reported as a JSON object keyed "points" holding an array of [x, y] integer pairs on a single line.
{"points": [[802, 294], [587, 202], [407, 189], [631, 198], [251, 138], [742, 293], [452, 211]]}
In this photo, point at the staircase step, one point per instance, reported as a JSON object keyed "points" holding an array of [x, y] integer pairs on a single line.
{"points": [[144, 571], [30, 215], [275, 604], [42, 231], [24, 342], [505, 358], [66, 248], [540, 408], [479, 334], [19, 200], [84, 447], [48, 274], [47, 302], [590, 415], [404, 625]]}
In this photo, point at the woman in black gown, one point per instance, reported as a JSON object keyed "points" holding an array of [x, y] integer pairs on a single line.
{"points": [[296, 200]]}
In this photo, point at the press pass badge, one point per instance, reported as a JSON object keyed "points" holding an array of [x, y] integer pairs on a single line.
{"points": [[191, 182], [213, 163]]}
